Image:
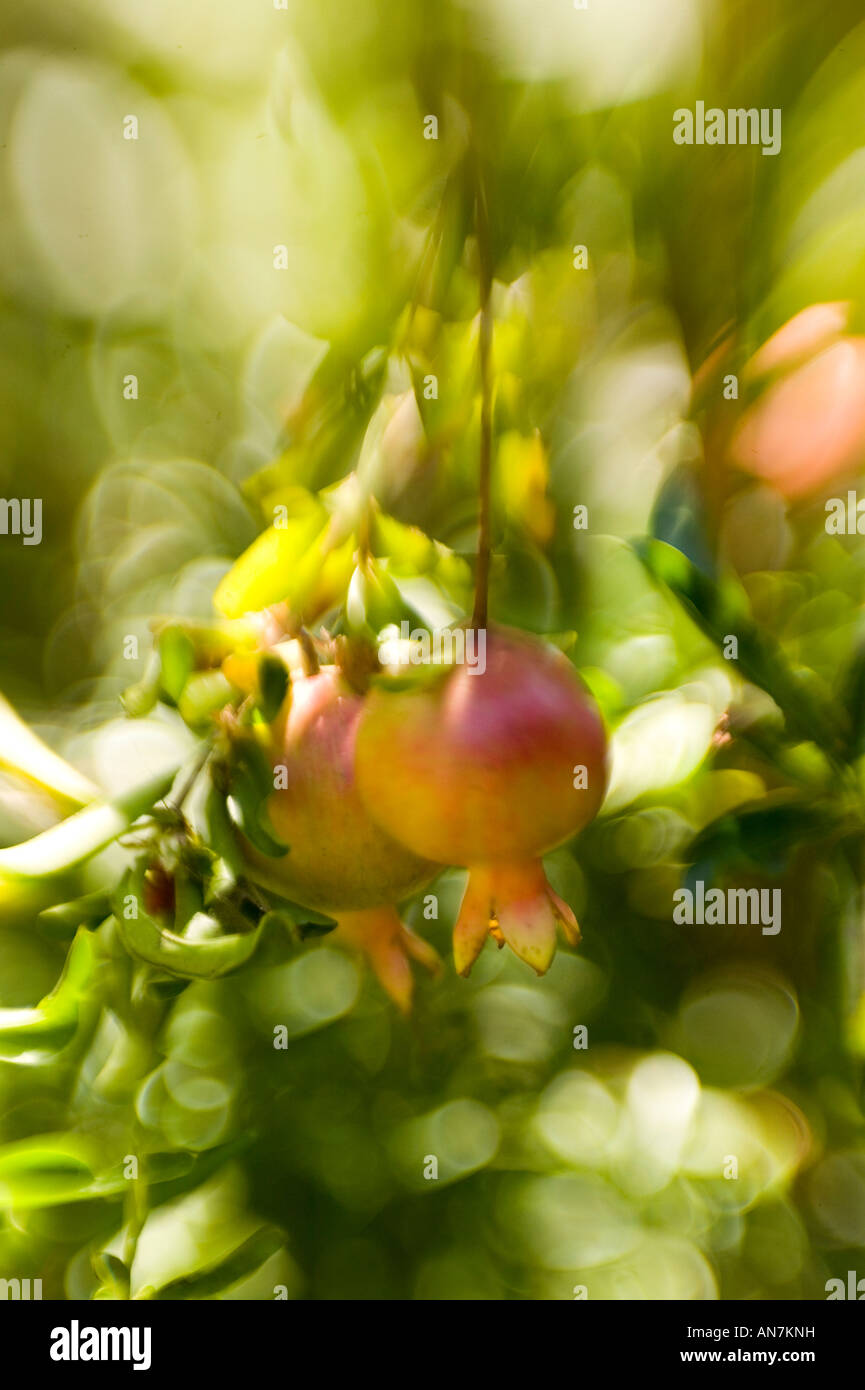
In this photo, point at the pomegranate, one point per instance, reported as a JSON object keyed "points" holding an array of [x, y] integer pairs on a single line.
{"points": [[809, 425], [490, 770], [338, 862]]}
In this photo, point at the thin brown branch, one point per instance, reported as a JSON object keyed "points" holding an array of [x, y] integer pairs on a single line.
{"points": [[485, 335]]}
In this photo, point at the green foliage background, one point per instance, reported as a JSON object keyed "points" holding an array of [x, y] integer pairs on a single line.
{"points": [[303, 1168]]}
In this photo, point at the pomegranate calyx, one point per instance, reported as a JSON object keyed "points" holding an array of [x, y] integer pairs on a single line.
{"points": [[515, 905], [389, 946]]}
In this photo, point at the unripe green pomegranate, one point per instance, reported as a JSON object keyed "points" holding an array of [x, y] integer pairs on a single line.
{"points": [[339, 861], [490, 769]]}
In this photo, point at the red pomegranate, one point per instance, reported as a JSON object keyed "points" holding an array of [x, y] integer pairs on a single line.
{"points": [[490, 769], [339, 862]]}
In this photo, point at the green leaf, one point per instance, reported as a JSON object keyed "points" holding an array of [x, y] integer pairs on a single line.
{"points": [[114, 1276], [46, 1171], [22, 752], [35, 1035], [373, 599], [263, 574], [243, 1261], [250, 785], [272, 686], [139, 699], [146, 939], [407, 547], [423, 596], [81, 835], [204, 694], [212, 640], [680, 518], [177, 658], [63, 919], [188, 899], [54, 1169], [220, 831], [523, 586]]}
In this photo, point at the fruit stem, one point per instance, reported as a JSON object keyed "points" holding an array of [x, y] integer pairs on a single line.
{"points": [[310, 655], [192, 777], [485, 278], [295, 628]]}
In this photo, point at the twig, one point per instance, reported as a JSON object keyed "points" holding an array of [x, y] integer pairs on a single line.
{"points": [[186, 787], [310, 655], [485, 276]]}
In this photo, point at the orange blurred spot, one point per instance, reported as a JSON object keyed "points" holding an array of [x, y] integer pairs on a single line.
{"points": [[809, 426], [803, 335]]}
